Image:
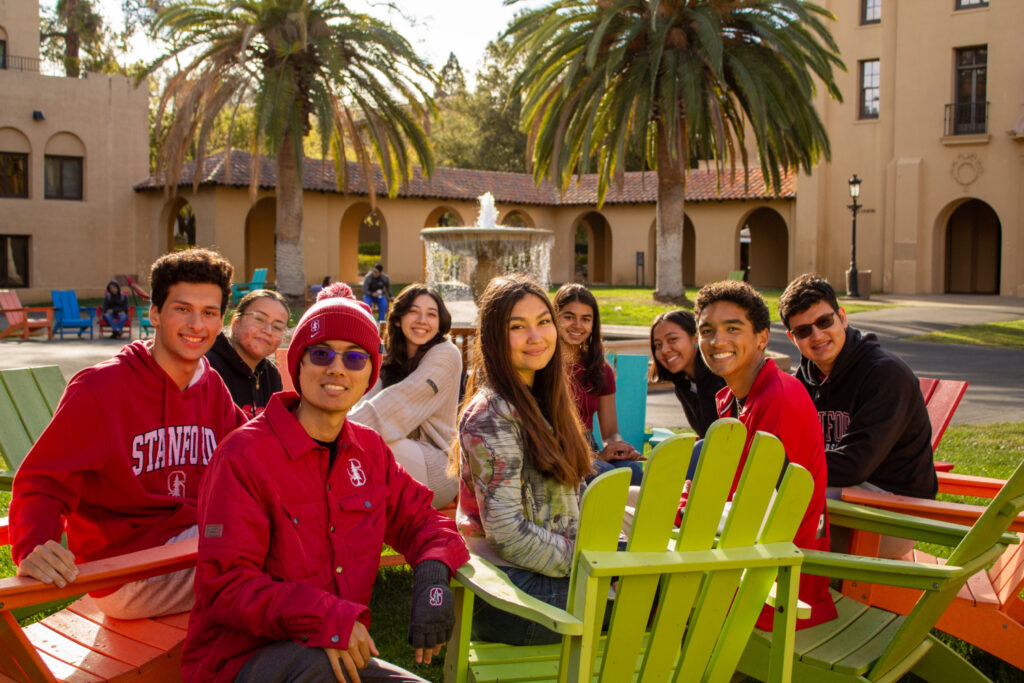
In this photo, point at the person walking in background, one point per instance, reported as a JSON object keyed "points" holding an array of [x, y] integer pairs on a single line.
{"points": [[377, 291], [414, 402], [593, 381], [115, 309], [245, 359], [521, 456]]}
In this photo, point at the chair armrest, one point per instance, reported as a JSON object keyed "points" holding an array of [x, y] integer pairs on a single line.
{"points": [[943, 511], [493, 586], [852, 516], [5, 535], [969, 485], [48, 310], [112, 572], [874, 570]]}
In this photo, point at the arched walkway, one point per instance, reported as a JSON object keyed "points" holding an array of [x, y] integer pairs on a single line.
{"points": [[260, 243], [178, 223], [769, 248], [518, 219], [973, 249], [592, 254], [443, 217], [689, 253], [362, 241]]}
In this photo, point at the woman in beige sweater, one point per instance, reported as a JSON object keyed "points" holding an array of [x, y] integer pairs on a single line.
{"points": [[413, 404]]}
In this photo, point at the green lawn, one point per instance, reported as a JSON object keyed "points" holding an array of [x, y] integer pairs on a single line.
{"points": [[636, 305], [1008, 335], [992, 450]]}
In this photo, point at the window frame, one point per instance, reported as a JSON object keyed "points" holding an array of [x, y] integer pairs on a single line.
{"points": [[61, 195], [864, 5], [5, 257], [3, 53], [976, 118], [972, 4], [25, 169], [862, 101]]}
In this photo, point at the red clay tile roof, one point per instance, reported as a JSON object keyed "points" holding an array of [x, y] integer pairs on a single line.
{"points": [[468, 184]]}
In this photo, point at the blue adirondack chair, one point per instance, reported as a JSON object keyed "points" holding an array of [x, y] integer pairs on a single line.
{"points": [[630, 398], [69, 313], [259, 281]]}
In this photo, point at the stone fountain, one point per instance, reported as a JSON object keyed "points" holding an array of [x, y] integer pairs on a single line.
{"points": [[462, 260]]}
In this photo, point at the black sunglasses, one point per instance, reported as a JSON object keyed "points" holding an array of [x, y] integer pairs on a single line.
{"points": [[323, 356], [823, 323]]}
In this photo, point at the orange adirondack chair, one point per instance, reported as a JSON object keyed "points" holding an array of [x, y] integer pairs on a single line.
{"points": [[988, 612], [80, 643], [18, 320]]}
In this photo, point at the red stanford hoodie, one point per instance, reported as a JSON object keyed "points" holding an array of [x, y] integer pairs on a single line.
{"points": [[121, 459]]}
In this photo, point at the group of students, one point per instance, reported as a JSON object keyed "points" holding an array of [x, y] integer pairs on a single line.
{"points": [[292, 495]]}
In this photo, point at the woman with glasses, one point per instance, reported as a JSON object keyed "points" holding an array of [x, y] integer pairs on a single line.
{"points": [[243, 360], [413, 403]]}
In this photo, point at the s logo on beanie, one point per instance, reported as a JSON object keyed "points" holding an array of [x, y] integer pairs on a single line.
{"points": [[314, 328]]}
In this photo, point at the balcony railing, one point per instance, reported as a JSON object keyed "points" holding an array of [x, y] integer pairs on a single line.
{"points": [[15, 63], [966, 118]]}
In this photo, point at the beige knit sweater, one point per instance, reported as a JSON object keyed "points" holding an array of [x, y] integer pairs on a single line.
{"points": [[420, 407]]}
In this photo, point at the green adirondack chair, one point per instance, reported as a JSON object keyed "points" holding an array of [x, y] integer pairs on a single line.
{"points": [[722, 586], [28, 397], [872, 644]]}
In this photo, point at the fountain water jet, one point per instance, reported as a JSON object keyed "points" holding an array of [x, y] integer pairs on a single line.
{"points": [[462, 260]]}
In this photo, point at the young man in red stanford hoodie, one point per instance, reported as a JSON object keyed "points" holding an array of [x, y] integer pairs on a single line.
{"points": [[123, 456], [292, 518], [732, 329]]}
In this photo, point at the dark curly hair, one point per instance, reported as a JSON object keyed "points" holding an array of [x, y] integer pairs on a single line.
{"points": [[739, 293], [804, 292], [196, 265], [397, 365]]}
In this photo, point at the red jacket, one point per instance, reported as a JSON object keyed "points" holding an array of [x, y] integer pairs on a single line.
{"points": [[121, 459], [779, 404], [289, 550]]}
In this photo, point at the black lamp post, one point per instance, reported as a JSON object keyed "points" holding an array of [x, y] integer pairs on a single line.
{"points": [[851, 275]]}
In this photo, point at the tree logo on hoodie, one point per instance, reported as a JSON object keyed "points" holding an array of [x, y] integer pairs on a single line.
{"points": [[355, 473], [176, 484]]}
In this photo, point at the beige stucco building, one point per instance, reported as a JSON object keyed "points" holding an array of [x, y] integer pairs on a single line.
{"points": [[70, 151], [931, 122]]}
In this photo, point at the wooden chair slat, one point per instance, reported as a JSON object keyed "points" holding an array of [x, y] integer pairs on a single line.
{"points": [[859, 661], [51, 384], [175, 620], [855, 636], [62, 671], [1007, 572], [15, 441], [147, 631], [99, 639], [941, 406], [57, 645], [16, 652], [29, 401]]}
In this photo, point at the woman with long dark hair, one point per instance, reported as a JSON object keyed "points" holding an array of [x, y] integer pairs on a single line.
{"points": [[677, 359], [521, 455], [413, 404], [593, 380]]}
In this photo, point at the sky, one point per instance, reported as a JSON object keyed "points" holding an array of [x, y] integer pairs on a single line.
{"points": [[437, 27]]}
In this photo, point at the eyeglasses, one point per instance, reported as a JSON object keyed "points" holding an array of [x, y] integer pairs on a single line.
{"points": [[823, 323], [323, 356], [262, 320]]}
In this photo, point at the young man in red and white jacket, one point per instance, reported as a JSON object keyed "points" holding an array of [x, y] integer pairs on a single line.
{"points": [[293, 516], [121, 460]]}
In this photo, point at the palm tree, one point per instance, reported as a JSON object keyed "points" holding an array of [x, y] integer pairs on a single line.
{"points": [[297, 63], [690, 77]]}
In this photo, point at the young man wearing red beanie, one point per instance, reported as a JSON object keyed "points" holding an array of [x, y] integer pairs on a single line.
{"points": [[123, 456], [292, 519]]}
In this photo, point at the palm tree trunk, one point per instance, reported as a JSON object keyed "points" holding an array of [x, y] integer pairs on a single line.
{"points": [[670, 216], [289, 261]]}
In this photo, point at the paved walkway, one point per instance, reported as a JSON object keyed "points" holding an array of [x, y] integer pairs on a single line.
{"points": [[996, 376]]}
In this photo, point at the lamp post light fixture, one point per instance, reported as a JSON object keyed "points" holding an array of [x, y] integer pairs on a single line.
{"points": [[851, 275]]}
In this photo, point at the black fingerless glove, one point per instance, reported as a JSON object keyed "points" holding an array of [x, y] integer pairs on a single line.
{"points": [[433, 605]]}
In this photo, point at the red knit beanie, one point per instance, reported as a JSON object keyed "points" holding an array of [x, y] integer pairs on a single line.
{"points": [[336, 315]]}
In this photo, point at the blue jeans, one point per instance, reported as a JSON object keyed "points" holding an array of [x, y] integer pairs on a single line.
{"points": [[115, 320], [636, 467], [382, 305], [694, 459], [493, 625]]}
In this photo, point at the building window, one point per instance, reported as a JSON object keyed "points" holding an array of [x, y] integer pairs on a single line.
{"points": [[971, 4], [869, 89], [13, 260], [969, 106], [3, 54], [13, 174], [63, 177], [870, 11]]}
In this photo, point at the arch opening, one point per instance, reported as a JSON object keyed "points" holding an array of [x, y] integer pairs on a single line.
{"points": [[592, 249], [260, 239], [767, 248], [973, 251]]}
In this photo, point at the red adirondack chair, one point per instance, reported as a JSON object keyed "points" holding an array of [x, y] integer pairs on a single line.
{"points": [[18, 320]]}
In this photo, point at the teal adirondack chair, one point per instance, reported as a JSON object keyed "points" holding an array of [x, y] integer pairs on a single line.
{"points": [[28, 397], [69, 313], [872, 644], [722, 585], [630, 398], [259, 281]]}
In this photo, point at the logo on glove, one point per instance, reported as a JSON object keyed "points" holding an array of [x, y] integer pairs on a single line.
{"points": [[436, 596]]}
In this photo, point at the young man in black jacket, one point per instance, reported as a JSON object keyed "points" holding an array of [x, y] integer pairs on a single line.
{"points": [[876, 427]]}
